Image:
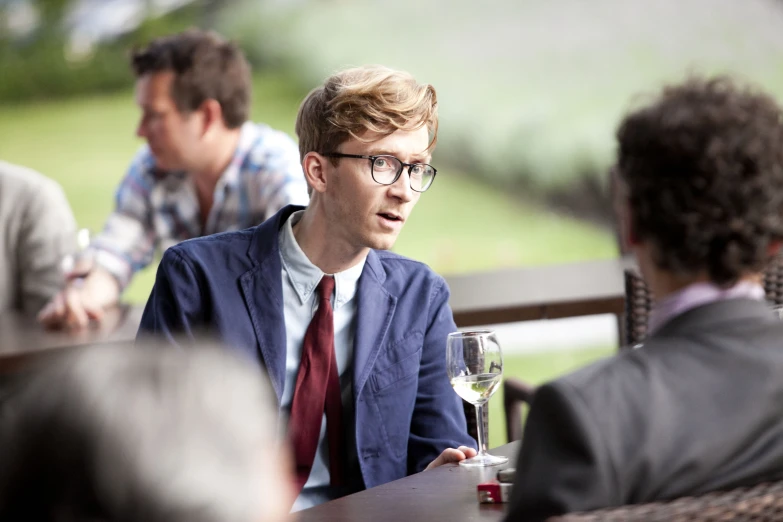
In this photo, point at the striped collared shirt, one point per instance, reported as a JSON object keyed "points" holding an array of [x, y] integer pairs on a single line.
{"points": [[155, 210]]}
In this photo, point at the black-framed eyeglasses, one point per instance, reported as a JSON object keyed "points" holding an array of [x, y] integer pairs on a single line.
{"points": [[386, 170]]}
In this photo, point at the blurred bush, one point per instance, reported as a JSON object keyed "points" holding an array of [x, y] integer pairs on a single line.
{"points": [[45, 63], [530, 91]]}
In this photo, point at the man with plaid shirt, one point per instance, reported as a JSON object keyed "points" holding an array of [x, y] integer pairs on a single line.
{"points": [[205, 168]]}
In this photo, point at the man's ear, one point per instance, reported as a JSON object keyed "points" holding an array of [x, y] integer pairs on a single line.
{"points": [[626, 226], [212, 114], [773, 249], [630, 234], [316, 168]]}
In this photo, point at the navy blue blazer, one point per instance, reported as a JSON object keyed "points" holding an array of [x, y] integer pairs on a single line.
{"points": [[406, 411]]}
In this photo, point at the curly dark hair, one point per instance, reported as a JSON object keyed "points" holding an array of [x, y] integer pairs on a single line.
{"points": [[205, 66], [703, 166]]}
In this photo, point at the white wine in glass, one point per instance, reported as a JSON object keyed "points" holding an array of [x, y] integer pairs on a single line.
{"points": [[476, 388], [475, 366]]}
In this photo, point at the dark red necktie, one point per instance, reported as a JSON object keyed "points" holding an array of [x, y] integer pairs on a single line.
{"points": [[317, 390]]}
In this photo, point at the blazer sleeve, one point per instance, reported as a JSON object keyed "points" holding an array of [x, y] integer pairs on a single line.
{"points": [[438, 420], [175, 309], [562, 464]]}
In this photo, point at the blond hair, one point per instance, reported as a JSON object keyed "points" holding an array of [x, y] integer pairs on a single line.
{"points": [[372, 99]]}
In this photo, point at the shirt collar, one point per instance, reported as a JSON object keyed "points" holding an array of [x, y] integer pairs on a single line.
{"points": [[305, 276], [698, 294], [248, 135]]}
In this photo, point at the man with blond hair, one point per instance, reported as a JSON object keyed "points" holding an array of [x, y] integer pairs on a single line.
{"points": [[360, 374]]}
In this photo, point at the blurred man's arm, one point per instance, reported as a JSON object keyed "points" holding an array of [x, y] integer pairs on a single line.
{"points": [[48, 234], [82, 300], [126, 245], [563, 464]]}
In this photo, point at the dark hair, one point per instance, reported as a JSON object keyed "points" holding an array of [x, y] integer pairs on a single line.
{"points": [[703, 165], [205, 66], [153, 433]]}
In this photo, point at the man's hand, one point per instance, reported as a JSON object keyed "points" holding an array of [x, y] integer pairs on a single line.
{"points": [[452, 455], [81, 301]]}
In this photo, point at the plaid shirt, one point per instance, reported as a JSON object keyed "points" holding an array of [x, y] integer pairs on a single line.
{"points": [[155, 210]]}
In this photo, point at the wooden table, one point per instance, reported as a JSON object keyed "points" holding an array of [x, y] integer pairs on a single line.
{"points": [[547, 292], [22, 338], [447, 493]]}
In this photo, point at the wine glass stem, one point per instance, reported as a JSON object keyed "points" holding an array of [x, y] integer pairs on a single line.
{"points": [[482, 436]]}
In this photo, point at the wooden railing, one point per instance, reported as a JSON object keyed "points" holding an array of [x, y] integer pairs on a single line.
{"points": [[501, 296], [547, 292]]}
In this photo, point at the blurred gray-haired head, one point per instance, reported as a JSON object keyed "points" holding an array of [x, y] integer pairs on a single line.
{"points": [[146, 433]]}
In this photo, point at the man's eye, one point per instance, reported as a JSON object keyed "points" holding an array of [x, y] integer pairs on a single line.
{"points": [[383, 164]]}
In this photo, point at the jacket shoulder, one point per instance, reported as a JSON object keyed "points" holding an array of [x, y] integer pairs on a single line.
{"points": [[620, 374], [218, 251], [396, 262], [403, 272], [20, 179], [610, 392]]}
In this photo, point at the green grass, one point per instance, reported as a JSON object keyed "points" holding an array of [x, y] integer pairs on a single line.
{"points": [[459, 225]]}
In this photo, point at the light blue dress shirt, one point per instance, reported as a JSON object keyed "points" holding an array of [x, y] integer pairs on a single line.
{"points": [[300, 279]]}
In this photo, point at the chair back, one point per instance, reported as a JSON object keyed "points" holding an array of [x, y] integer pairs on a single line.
{"points": [[638, 304], [773, 281], [515, 394], [638, 300]]}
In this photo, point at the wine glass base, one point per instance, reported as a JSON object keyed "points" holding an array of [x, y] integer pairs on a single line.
{"points": [[483, 460]]}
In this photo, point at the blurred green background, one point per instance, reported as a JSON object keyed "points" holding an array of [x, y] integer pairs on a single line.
{"points": [[530, 93]]}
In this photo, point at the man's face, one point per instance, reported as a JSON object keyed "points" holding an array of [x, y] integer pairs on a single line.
{"points": [[173, 137], [364, 213]]}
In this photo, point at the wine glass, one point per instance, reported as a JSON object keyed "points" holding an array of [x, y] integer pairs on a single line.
{"points": [[78, 264], [475, 366]]}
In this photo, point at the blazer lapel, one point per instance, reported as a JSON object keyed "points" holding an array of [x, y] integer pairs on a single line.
{"points": [[262, 289], [375, 309]]}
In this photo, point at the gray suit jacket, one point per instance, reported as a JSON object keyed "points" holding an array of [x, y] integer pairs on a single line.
{"points": [[698, 407], [37, 229]]}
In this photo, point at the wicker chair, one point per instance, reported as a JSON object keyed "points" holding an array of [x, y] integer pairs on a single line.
{"points": [[638, 303], [760, 503], [638, 300], [773, 281], [515, 393]]}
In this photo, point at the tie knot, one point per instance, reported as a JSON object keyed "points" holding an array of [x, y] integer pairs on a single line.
{"points": [[326, 287]]}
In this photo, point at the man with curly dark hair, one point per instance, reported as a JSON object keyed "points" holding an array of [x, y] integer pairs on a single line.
{"points": [[697, 406]]}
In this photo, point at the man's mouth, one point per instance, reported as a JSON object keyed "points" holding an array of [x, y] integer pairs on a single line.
{"points": [[391, 217]]}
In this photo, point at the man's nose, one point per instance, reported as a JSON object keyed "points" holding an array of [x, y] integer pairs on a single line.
{"points": [[402, 187]]}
